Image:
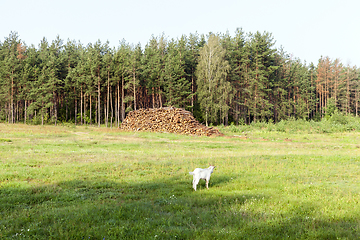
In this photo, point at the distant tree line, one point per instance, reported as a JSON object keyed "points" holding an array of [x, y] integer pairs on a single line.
{"points": [[219, 77]]}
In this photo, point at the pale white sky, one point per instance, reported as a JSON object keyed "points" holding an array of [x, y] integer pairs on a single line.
{"points": [[305, 28]]}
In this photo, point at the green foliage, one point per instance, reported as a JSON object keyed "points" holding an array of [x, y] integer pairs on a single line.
{"points": [[215, 93], [261, 68], [330, 109], [5, 140], [177, 88], [221, 78], [337, 123]]}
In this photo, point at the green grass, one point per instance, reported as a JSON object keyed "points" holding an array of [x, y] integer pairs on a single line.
{"points": [[98, 183]]}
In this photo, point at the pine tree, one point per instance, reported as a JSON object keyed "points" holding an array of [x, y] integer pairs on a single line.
{"points": [[176, 86], [71, 55], [302, 91], [122, 73], [10, 73], [47, 81], [153, 73], [194, 43], [135, 68], [261, 72], [356, 87], [237, 57], [108, 71], [57, 76], [29, 75], [281, 86], [95, 55]]}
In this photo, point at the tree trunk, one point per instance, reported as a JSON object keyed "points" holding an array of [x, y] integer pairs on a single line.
{"points": [[85, 108], [122, 99], [112, 110], [206, 117], [160, 100], [108, 98], [255, 106], [118, 104], [55, 107], [17, 111], [153, 97], [12, 97], [356, 101], [99, 102], [81, 105], [90, 110], [42, 113], [75, 105], [192, 93], [66, 109], [348, 92], [25, 112], [105, 112], [134, 78]]}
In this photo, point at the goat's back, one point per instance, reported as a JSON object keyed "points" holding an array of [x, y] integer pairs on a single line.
{"points": [[202, 173], [196, 171]]}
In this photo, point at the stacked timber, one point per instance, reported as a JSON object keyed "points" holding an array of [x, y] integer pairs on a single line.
{"points": [[169, 119]]}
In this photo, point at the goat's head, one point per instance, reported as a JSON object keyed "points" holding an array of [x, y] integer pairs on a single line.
{"points": [[211, 166]]}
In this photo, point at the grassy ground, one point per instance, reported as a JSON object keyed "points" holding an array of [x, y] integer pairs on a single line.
{"points": [[97, 183]]}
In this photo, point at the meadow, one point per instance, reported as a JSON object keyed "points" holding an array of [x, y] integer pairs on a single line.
{"points": [[270, 182]]}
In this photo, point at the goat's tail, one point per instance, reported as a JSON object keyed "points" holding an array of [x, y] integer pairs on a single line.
{"points": [[191, 173]]}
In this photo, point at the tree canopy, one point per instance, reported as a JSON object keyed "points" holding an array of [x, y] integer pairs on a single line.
{"points": [[219, 77]]}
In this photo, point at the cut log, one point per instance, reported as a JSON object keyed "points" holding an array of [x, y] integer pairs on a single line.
{"points": [[169, 119]]}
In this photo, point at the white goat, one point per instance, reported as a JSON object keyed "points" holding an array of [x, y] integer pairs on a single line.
{"points": [[200, 173]]}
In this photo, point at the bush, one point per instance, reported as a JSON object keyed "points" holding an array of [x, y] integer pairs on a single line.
{"points": [[339, 118], [337, 122]]}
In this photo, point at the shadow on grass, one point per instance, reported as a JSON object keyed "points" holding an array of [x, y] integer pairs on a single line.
{"points": [[157, 209]]}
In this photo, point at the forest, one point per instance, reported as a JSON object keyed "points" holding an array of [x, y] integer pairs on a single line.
{"points": [[221, 78]]}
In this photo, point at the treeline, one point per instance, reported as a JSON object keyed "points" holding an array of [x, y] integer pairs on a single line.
{"points": [[219, 77]]}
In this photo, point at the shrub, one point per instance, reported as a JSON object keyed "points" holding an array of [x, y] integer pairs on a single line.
{"points": [[338, 118], [337, 122]]}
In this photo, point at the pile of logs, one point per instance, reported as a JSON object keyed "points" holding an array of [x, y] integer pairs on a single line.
{"points": [[169, 119]]}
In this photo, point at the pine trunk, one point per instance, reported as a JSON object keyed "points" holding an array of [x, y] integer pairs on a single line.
{"points": [[160, 100], [85, 108], [55, 107], [90, 111], [108, 98], [348, 92], [134, 85], [122, 99], [118, 104], [75, 105], [192, 93], [153, 97], [81, 105], [99, 102], [42, 113], [12, 97], [25, 112], [112, 110]]}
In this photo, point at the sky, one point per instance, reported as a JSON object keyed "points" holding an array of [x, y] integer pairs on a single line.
{"points": [[306, 29]]}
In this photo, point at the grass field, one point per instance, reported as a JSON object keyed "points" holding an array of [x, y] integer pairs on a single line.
{"points": [[97, 183]]}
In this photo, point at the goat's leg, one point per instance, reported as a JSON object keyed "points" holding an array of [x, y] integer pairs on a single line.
{"points": [[207, 184], [195, 182]]}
